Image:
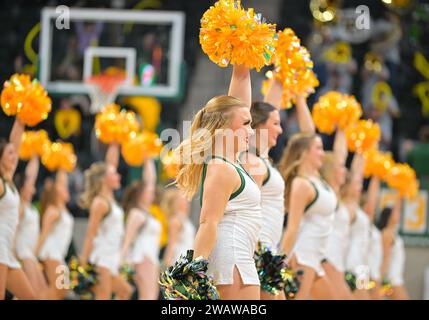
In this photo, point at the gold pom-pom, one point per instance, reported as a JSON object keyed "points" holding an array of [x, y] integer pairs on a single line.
{"points": [[59, 156], [115, 126], [25, 98], [403, 178], [141, 146], [33, 143], [377, 164], [363, 136], [293, 67], [231, 35], [335, 110]]}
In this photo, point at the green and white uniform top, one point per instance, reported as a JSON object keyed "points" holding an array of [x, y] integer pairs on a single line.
{"points": [[237, 233]]}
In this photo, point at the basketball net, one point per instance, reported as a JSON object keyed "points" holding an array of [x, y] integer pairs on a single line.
{"points": [[103, 90]]}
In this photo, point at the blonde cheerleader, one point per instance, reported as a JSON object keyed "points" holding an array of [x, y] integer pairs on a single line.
{"points": [[181, 231], [230, 219], [142, 234], [334, 172], [12, 277], [310, 203], [105, 230], [29, 230], [56, 232]]}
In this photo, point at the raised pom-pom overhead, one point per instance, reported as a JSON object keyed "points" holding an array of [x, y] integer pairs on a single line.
{"points": [[362, 136], [403, 178], [377, 164], [293, 67], [335, 110], [34, 143], [115, 126], [59, 156], [141, 146], [230, 34], [26, 99]]}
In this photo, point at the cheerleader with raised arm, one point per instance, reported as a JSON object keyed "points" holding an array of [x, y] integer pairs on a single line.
{"points": [[360, 229], [181, 231], [142, 234], [103, 241], [375, 250], [56, 231], [12, 277], [393, 250], [334, 172], [310, 203], [29, 230], [266, 123], [230, 218]]}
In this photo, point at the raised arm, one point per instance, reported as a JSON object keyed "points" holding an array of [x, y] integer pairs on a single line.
{"points": [[32, 170], [372, 196], [134, 222], [274, 94], [149, 173], [340, 146], [305, 120], [301, 193], [112, 155], [16, 134], [357, 166], [241, 86], [99, 208], [218, 187]]}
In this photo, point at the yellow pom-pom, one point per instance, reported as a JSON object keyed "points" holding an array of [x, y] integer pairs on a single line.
{"points": [[403, 178], [59, 156], [335, 110], [363, 136], [231, 35], [140, 146], [293, 66], [36, 107], [377, 164], [114, 126], [33, 143], [25, 98]]}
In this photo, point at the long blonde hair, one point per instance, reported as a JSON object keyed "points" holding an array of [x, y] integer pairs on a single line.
{"points": [[217, 114], [93, 183], [169, 201], [328, 167], [292, 159]]}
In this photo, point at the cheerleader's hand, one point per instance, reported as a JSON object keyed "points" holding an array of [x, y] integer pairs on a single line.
{"points": [[83, 261]]}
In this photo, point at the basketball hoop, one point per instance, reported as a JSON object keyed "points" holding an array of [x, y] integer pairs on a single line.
{"points": [[103, 89]]}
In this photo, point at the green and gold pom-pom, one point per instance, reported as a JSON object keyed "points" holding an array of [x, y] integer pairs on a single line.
{"points": [[292, 282], [351, 280], [386, 288], [187, 279], [127, 272], [271, 269], [82, 279]]}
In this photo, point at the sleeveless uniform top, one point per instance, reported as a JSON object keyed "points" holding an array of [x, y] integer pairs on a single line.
{"points": [[146, 244], [186, 239], [237, 232], [272, 208], [106, 247], [360, 229], [338, 242], [375, 254], [315, 228], [397, 262], [9, 217], [28, 234], [58, 241]]}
